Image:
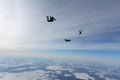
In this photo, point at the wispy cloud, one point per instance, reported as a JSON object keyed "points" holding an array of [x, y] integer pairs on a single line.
{"points": [[24, 24]]}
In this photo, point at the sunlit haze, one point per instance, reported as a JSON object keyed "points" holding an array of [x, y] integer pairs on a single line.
{"points": [[23, 27]]}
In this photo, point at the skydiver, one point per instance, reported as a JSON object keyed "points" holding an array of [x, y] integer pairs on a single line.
{"points": [[67, 40], [50, 19], [80, 32]]}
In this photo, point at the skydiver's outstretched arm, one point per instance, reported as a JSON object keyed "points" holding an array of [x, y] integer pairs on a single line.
{"points": [[50, 17], [53, 18]]}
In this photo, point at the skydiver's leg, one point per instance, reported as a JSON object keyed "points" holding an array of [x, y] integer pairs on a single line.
{"points": [[51, 18], [47, 18]]}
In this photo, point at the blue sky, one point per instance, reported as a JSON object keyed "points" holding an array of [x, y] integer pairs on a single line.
{"points": [[24, 26]]}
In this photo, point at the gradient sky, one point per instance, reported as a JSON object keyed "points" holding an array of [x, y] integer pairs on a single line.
{"points": [[23, 25]]}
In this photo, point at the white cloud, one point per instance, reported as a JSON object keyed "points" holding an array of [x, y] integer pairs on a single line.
{"points": [[31, 75], [83, 76], [67, 75], [58, 72], [107, 78], [57, 68]]}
